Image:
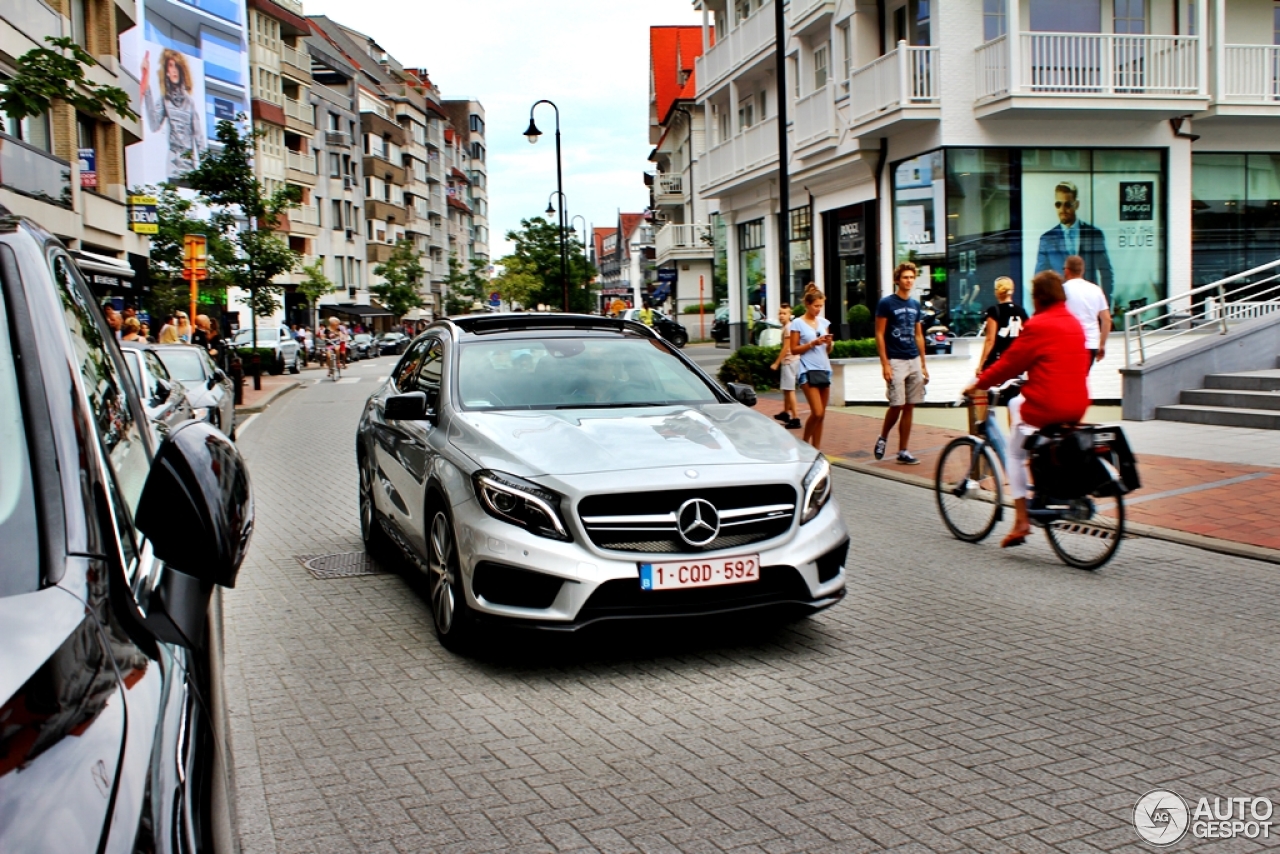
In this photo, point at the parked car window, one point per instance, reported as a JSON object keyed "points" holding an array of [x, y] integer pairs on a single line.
{"points": [[403, 376], [432, 366], [564, 373], [189, 366], [119, 431], [20, 569], [268, 336], [146, 379]]}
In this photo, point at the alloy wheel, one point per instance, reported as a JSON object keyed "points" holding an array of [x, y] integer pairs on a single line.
{"points": [[441, 574]]}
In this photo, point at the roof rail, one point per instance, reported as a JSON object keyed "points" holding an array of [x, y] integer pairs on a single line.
{"points": [[481, 324]]}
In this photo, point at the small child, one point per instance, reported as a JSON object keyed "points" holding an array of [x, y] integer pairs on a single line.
{"points": [[785, 364]]}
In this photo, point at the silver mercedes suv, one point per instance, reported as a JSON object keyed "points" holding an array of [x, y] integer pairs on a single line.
{"points": [[560, 470]]}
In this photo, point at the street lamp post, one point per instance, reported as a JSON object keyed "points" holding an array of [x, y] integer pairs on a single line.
{"points": [[532, 134]]}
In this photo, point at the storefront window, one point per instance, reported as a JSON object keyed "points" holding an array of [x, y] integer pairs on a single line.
{"points": [[720, 265], [981, 240], [1235, 213], [751, 262], [801, 253], [919, 217]]}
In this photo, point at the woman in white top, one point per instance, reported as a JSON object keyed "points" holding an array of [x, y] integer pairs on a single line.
{"points": [[811, 341]]}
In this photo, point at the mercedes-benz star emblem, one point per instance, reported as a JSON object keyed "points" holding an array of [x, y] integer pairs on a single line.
{"points": [[698, 521]]}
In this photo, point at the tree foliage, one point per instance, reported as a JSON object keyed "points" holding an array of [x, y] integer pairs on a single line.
{"points": [[315, 283], [517, 285], [465, 289], [537, 259], [402, 275], [227, 184], [176, 217], [45, 75]]}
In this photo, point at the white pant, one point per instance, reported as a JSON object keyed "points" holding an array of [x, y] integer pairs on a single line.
{"points": [[1016, 471]]}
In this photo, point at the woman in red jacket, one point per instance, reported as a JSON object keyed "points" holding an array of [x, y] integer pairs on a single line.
{"points": [[1050, 351]]}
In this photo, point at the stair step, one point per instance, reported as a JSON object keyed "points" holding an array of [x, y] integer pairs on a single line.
{"points": [[1245, 381], [1257, 419], [1232, 398]]}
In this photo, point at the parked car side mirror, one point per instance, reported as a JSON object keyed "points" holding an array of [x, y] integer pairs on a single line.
{"points": [[743, 393], [411, 406], [163, 392], [197, 506], [218, 377]]}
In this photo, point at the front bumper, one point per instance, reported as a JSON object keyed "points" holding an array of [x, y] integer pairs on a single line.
{"points": [[802, 569]]}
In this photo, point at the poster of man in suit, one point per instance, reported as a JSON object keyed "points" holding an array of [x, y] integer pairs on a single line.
{"points": [[1071, 235]]}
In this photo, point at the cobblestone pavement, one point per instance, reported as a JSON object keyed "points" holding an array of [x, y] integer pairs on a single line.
{"points": [[960, 698]]}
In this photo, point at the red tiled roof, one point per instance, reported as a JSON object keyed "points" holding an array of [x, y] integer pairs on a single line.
{"points": [[630, 222], [671, 51], [598, 235]]}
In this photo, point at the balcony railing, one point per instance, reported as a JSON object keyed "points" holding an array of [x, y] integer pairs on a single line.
{"points": [[1251, 73], [297, 58], [1107, 64], [301, 111], [755, 147], [301, 162], [904, 77], [802, 9], [305, 214], [293, 6], [815, 118], [683, 238], [27, 170], [735, 47]]}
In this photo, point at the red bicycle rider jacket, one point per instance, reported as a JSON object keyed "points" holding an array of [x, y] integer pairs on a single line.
{"points": [[1051, 352]]}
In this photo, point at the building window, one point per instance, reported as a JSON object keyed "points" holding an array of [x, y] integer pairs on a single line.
{"points": [[476, 124], [1066, 16], [751, 257], [745, 8], [995, 19], [1235, 214], [746, 112], [87, 145], [801, 253], [335, 165], [337, 215], [80, 22], [1130, 17], [846, 46], [820, 60]]}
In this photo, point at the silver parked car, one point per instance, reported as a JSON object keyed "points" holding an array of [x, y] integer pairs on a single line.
{"points": [[560, 470], [209, 389], [164, 399]]}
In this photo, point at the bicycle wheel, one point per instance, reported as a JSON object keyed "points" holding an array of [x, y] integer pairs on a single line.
{"points": [[1085, 538], [968, 487]]}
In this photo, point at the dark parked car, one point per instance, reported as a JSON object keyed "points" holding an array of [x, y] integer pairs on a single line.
{"points": [[210, 391], [668, 327], [112, 546], [362, 346], [392, 343]]}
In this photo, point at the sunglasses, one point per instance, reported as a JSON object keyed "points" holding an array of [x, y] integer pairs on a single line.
{"points": [[1061, 205]]}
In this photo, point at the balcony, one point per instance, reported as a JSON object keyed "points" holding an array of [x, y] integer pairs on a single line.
{"points": [[384, 210], [299, 115], [376, 252], [299, 162], [1066, 72], [901, 86], [1249, 84], [303, 220], [806, 15], [378, 166], [337, 139], [814, 128], [34, 173], [668, 190], [733, 163], [746, 42], [296, 63], [683, 241]]}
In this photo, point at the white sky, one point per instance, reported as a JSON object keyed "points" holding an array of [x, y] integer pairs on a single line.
{"points": [[590, 58]]}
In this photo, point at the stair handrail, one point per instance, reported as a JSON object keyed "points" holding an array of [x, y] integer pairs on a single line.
{"points": [[1134, 322]]}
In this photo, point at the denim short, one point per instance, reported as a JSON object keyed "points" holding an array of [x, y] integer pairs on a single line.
{"points": [[817, 379]]}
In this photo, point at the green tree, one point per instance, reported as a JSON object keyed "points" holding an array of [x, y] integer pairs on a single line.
{"points": [[402, 275], [47, 75], [315, 284], [516, 284], [537, 254], [226, 183], [176, 218], [464, 290]]}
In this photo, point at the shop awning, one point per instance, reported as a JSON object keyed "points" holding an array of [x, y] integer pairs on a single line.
{"points": [[103, 271], [361, 311]]}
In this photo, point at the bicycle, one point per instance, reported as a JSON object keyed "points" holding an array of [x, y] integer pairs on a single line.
{"points": [[968, 485], [335, 364]]}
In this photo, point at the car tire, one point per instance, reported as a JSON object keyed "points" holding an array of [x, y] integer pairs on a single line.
{"points": [[679, 338], [277, 367], [376, 542], [450, 612], [296, 367]]}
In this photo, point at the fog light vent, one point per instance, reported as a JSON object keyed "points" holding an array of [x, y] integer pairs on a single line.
{"points": [[518, 588]]}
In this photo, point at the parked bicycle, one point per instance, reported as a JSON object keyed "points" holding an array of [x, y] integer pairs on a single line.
{"points": [[1080, 474], [335, 361]]}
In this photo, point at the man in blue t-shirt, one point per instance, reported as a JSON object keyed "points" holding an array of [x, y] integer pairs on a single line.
{"points": [[900, 341]]}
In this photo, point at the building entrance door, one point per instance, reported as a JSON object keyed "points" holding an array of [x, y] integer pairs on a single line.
{"points": [[852, 267]]}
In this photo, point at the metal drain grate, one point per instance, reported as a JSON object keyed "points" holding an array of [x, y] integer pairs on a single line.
{"points": [[345, 565]]}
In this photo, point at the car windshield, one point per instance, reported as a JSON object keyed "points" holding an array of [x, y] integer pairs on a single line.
{"points": [[20, 570], [363, 338], [267, 336], [186, 365], [392, 336], [576, 373]]}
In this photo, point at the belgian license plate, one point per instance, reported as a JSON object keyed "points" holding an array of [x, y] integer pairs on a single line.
{"points": [[676, 574]]}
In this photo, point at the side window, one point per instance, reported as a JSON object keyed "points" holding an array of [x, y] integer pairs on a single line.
{"points": [[409, 364], [432, 366], [104, 384]]}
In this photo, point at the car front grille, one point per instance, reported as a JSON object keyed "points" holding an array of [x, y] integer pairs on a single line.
{"points": [[647, 522]]}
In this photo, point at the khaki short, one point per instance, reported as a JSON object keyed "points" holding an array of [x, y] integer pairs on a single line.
{"points": [[907, 386], [787, 374]]}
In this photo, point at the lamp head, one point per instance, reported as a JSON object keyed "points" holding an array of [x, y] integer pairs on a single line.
{"points": [[551, 211], [532, 133]]}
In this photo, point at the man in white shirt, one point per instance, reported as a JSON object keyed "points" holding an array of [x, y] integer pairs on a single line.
{"points": [[1086, 301]]}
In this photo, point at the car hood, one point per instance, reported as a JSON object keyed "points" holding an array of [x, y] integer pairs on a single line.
{"points": [[569, 442]]}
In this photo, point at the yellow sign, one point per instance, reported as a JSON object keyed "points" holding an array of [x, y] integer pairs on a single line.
{"points": [[143, 216]]}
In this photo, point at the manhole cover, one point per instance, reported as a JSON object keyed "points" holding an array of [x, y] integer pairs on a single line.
{"points": [[345, 565]]}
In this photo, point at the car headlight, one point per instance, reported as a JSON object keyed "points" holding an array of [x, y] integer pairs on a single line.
{"points": [[817, 489], [519, 502], [200, 413]]}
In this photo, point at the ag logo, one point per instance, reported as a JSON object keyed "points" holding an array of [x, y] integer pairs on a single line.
{"points": [[1160, 817]]}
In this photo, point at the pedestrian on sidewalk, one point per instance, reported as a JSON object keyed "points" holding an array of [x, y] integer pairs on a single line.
{"points": [[787, 367], [900, 341], [1003, 325], [1087, 302], [1056, 391], [811, 341]]}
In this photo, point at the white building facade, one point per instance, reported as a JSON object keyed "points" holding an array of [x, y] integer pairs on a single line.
{"points": [[955, 134]]}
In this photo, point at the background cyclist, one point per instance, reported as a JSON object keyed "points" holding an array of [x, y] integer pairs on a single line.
{"points": [[1050, 351], [335, 343]]}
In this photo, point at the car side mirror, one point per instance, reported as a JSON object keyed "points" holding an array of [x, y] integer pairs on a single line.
{"points": [[743, 393], [196, 506], [411, 406], [163, 392], [218, 376]]}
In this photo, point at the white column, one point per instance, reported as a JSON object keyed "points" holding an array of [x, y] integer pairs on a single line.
{"points": [[1014, 35], [772, 257], [817, 244], [1202, 47], [706, 29], [1178, 262], [1219, 44], [736, 309]]}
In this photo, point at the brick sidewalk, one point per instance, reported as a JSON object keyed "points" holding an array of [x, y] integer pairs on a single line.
{"points": [[272, 388], [1220, 501]]}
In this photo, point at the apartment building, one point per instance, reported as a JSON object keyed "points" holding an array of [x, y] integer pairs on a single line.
{"points": [[284, 116], [67, 170], [981, 138], [608, 260], [468, 118], [683, 239]]}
